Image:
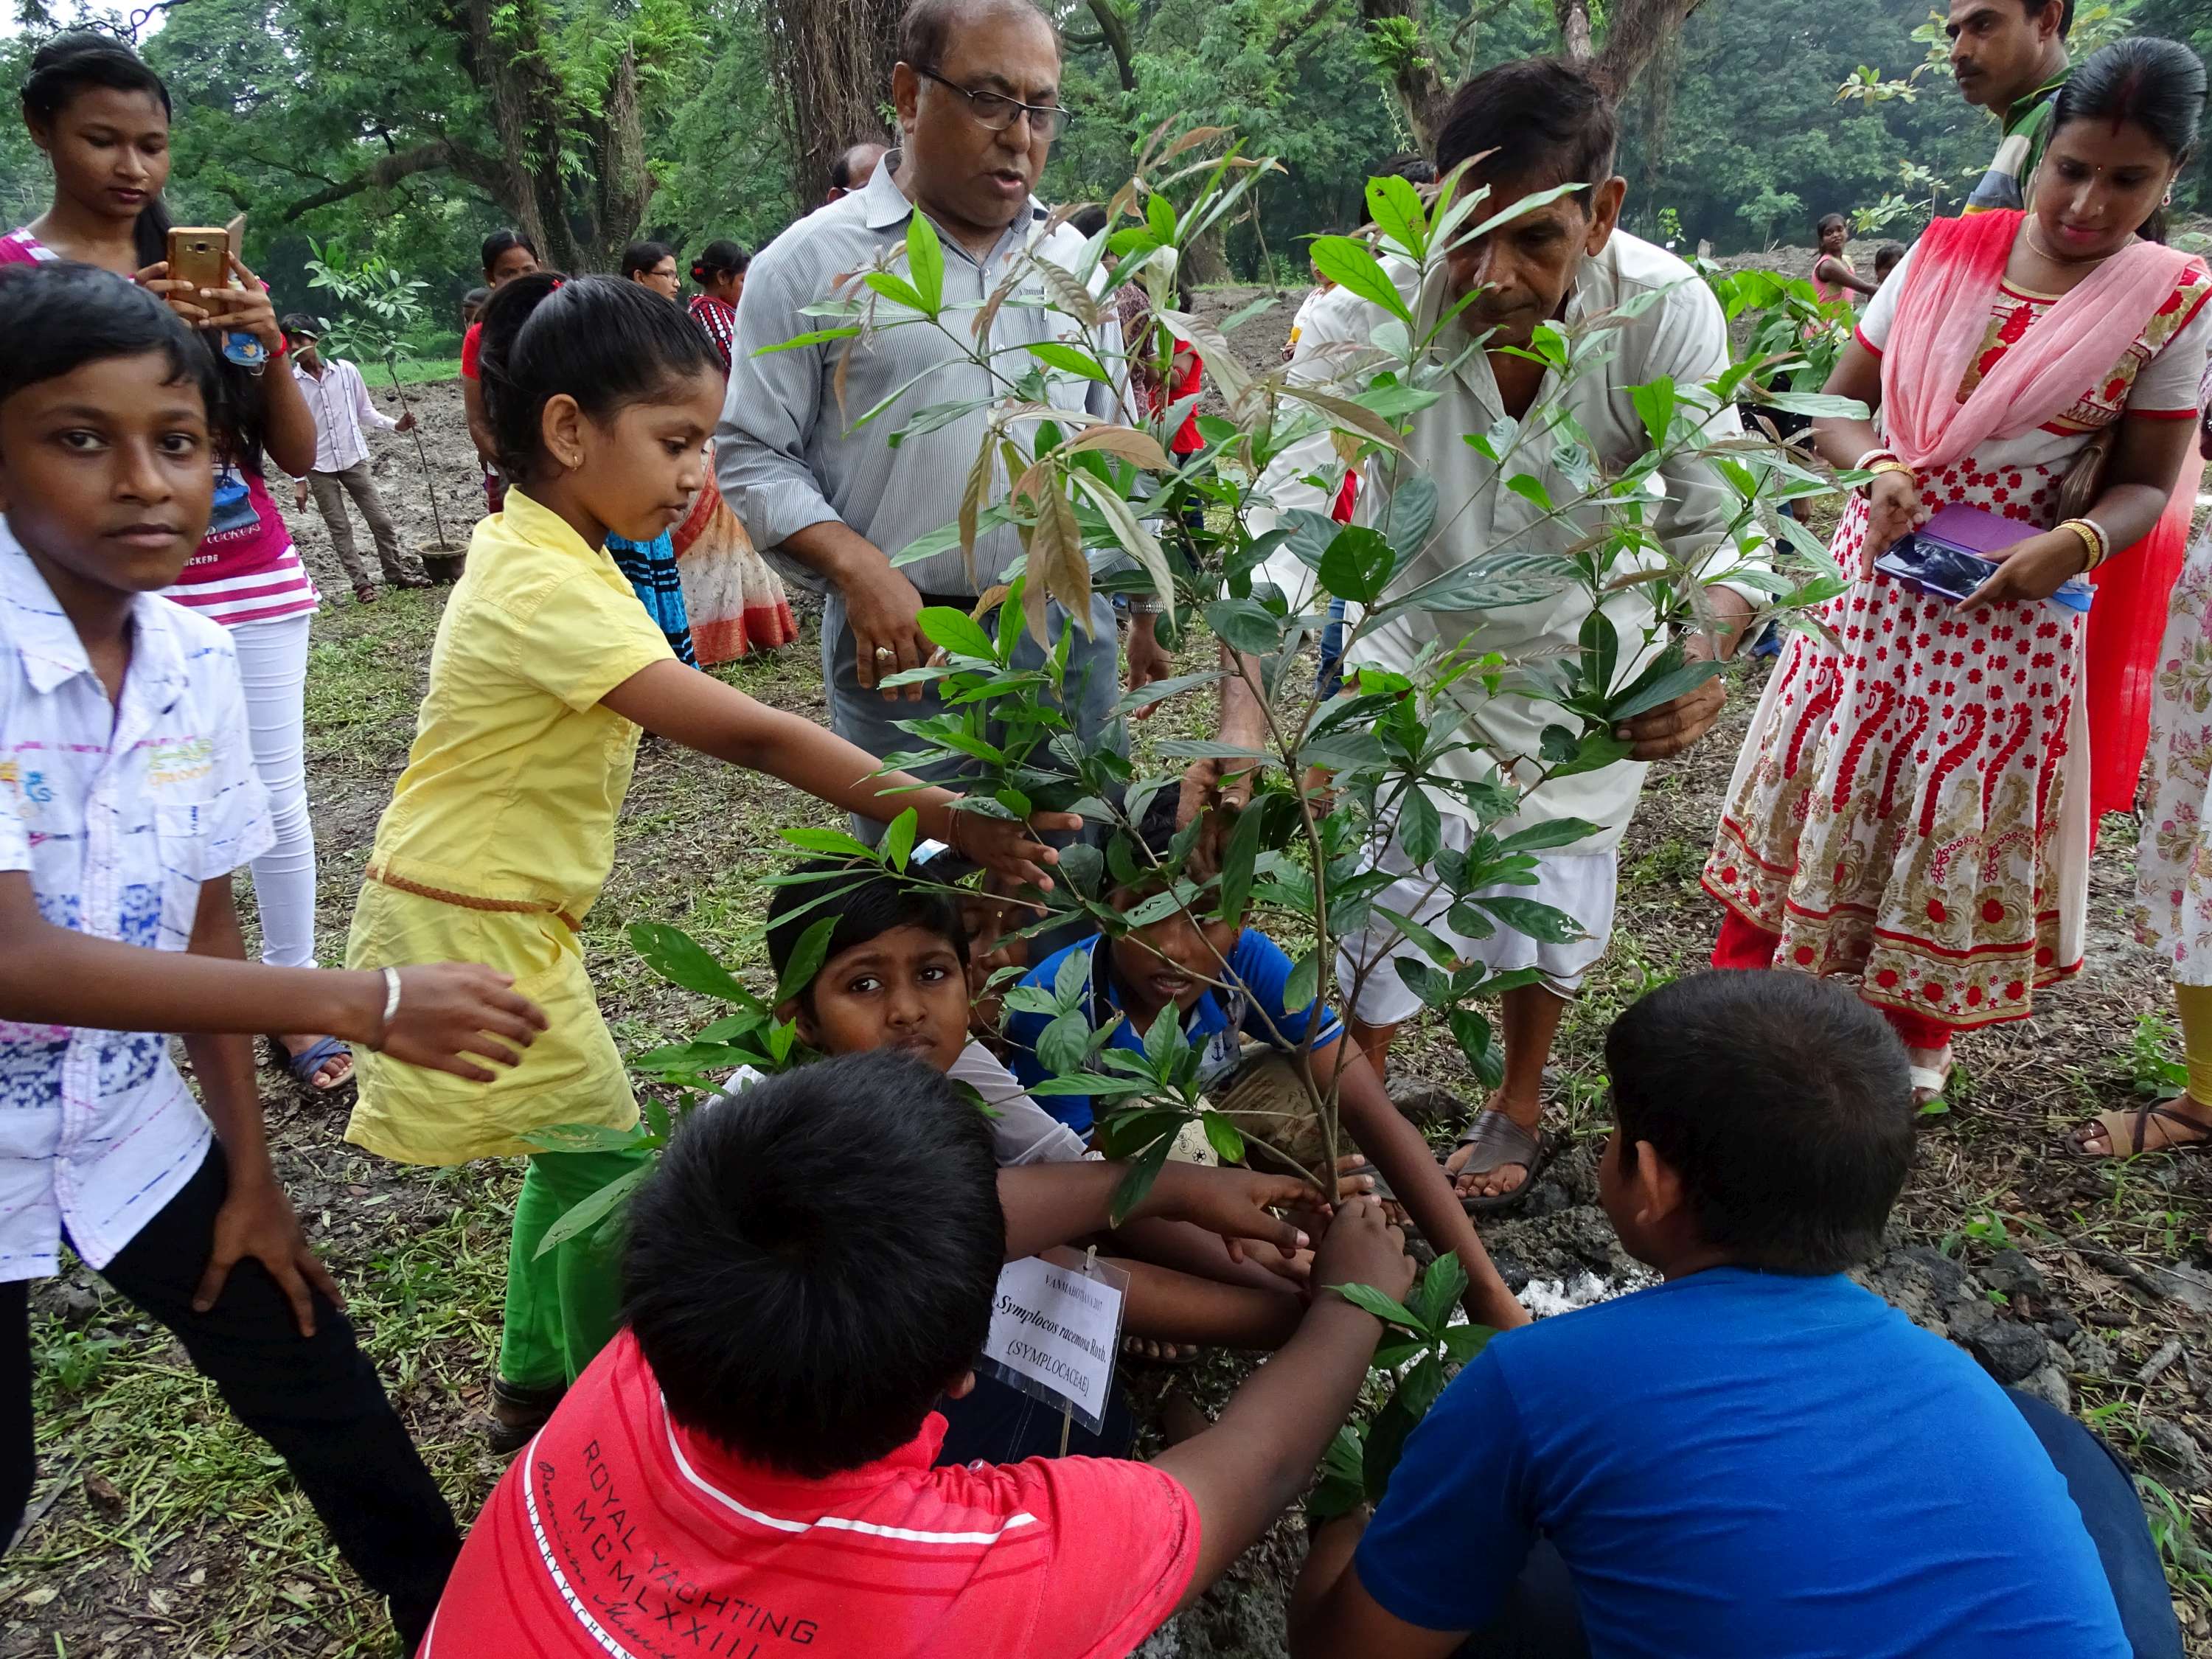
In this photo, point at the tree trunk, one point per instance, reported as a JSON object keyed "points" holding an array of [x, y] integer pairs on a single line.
{"points": [[1635, 30], [1113, 31], [832, 60], [1574, 29], [622, 185], [1399, 29]]}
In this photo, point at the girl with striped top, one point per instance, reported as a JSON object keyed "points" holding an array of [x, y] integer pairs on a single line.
{"points": [[102, 117]]}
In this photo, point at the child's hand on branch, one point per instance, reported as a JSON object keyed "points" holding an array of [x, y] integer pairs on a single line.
{"points": [[1234, 1203], [1006, 847], [1362, 1247], [449, 1011]]}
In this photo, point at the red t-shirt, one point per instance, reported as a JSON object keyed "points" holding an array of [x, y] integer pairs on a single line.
{"points": [[619, 1533], [1187, 440], [472, 352]]}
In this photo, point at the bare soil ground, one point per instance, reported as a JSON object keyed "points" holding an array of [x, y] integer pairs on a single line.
{"points": [[162, 1528]]}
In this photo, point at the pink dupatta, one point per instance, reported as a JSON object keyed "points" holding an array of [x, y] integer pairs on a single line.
{"points": [[1943, 318], [1944, 315]]}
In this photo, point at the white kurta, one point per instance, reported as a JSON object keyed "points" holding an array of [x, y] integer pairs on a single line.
{"points": [[1682, 337]]}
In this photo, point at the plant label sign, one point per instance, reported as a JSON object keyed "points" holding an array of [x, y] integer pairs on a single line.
{"points": [[1055, 1328]]}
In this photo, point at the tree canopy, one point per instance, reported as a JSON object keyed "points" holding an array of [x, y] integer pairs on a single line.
{"points": [[408, 130]]}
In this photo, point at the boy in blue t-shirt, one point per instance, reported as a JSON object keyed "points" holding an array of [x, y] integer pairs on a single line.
{"points": [[1229, 983], [1756, 1459]]}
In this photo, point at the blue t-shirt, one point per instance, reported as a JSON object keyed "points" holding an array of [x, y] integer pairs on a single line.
{"points": [[1258, 968], [1739, 1465]]}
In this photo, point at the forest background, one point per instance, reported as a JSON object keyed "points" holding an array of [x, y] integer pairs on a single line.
{"points": [[407, 130]]}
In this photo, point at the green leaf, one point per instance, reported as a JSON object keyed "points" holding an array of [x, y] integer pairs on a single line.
{"points": [[896, 288], [813, 947], [1536, 920], [585, 1138], [1069, 360], [1346, 262], [1071, 986], [1439, 1291], [1144, 1170], [813, 337], [1530, 489], [1063, 1046], [1656, 404], [1304, 983], [1471, 1031], [1246, 624], [827, 844], [898, 842], [925, 262], [1680, 682], [682, 960], [1537, 837], [1225, 1138], [1818, 404], [1420, 828], [1395, 207], [1386, 1443], [956, 631], [598, 1206], [1358, 564], [1463, 1342], [1388, 1308], [1238, 863], [1410, 515]]}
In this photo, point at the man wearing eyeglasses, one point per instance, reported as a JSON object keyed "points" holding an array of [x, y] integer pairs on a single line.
{"points": [[977, 93]]}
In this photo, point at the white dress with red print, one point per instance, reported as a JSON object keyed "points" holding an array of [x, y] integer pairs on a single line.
{"points": [[1912, 802], [2173, 864]]}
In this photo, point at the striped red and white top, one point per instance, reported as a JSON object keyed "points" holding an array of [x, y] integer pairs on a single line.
{"points": [[246, 570], [20, 247], [621, 1534]]}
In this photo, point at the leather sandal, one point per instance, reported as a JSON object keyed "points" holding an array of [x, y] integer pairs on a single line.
{"points": [[2138, 1119], [1498, 1140]]}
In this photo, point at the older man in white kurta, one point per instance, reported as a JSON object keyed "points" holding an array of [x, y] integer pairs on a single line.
{"points": [[1566, 263]]}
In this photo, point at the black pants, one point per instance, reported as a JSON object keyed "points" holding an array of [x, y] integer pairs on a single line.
{"points": [[315, 1400], [1542, 1620]]}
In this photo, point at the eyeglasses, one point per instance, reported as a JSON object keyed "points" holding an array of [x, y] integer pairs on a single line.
{"points": [[996, 112]]}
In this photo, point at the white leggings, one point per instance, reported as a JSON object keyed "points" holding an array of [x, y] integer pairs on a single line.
{"points": [[273, 662]]}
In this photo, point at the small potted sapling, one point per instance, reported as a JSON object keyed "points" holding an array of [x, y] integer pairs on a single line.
{"points": [[383, 309]]}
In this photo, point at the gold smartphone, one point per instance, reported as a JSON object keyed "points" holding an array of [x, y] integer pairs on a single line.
{"points": [[200, 255]]}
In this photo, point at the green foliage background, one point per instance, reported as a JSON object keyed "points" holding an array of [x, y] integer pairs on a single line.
{"points": [[1736, 127]]}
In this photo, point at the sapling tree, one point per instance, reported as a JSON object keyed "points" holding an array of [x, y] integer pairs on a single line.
{"points": [[382, 311], [1335, 774]]}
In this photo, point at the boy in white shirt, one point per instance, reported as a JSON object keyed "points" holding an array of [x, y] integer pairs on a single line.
{"points": [[127, 797], [339, 398]]}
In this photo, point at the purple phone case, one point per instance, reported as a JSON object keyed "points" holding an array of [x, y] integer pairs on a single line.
{"points": [[1969, 530]]}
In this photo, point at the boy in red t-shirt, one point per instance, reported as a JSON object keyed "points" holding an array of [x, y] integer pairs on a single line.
{"points": [[746, 1470]]}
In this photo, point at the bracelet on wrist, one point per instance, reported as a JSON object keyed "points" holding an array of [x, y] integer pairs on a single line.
{"points": [[1880, 470], [391, 1010], [2096, 545], [1878, 454]]}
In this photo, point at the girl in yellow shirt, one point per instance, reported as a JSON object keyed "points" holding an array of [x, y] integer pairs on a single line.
{"points": [[500, 833]]}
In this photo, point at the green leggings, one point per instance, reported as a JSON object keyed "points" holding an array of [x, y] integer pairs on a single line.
{"points": [[561, 1307]]}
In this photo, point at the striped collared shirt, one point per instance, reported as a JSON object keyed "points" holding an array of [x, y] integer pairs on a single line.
{"points": [[786, 456]]}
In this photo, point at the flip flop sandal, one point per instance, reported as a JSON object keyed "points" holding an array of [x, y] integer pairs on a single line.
{"points": [[518, 1414], [2142, 1115], [364, 593], [1499, 1140], [301, 1067]]}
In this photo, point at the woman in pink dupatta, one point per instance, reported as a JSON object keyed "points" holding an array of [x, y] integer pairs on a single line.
{"points": [[1912, 803]]}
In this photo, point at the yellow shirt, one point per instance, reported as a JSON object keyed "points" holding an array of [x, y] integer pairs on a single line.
{"points": [[510, 796]]}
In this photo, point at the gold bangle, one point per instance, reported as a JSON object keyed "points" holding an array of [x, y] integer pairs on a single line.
{"points": [[2092, 541], [1880, 467]]}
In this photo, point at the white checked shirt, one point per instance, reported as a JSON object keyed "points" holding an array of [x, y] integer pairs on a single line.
{"points": [[340, 400], [118, 813]]}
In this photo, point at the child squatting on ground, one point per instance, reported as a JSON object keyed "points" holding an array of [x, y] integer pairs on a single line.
{"points": [[810, 1268], [1756, 1459], [599, 396], [895, 977], [128, 797], [1228, 984]]}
